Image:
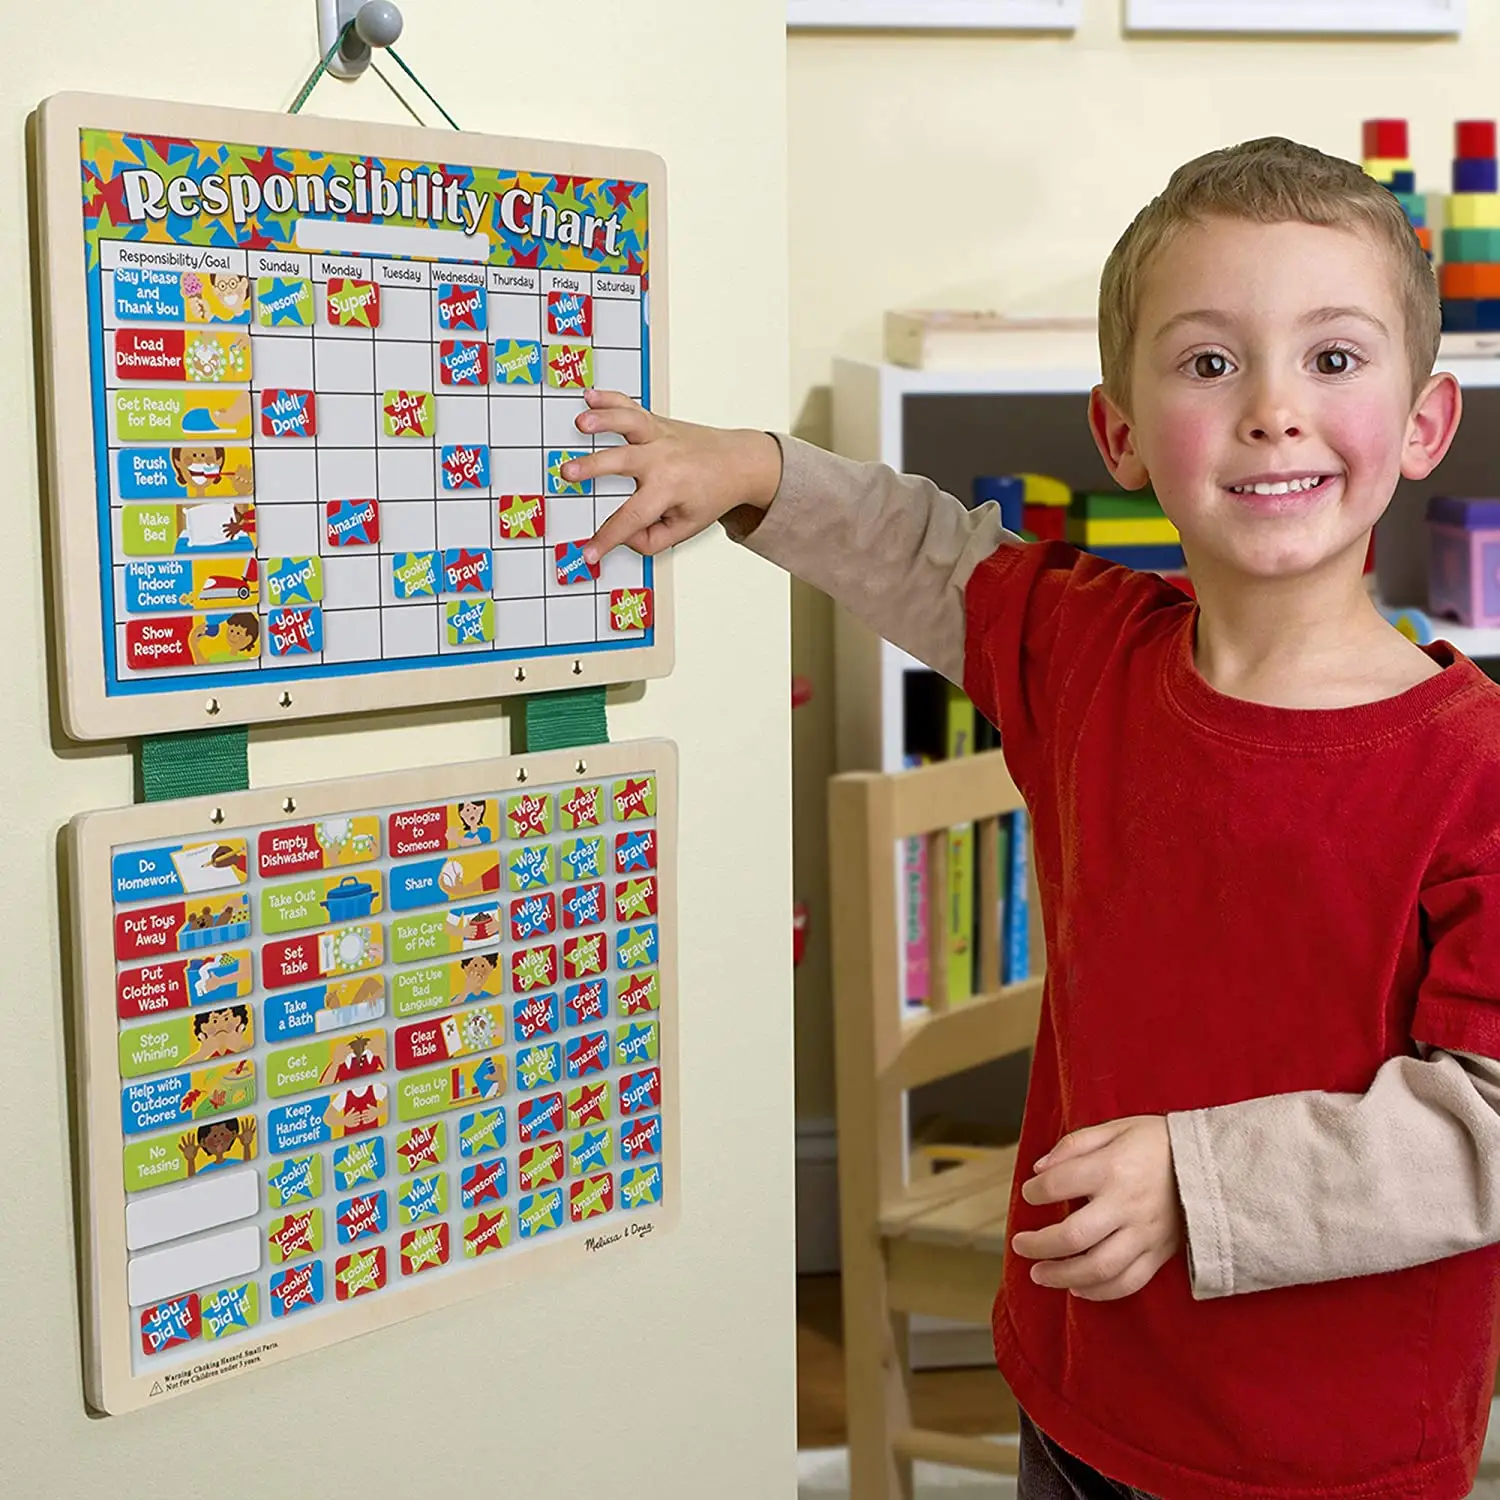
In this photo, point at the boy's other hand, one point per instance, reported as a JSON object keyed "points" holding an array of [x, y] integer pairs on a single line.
{"points": [[686, 477], [1130, 1224]]}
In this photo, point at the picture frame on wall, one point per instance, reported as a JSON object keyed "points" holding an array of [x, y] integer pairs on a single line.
{"points": [[1311, 17], [934, 15]]}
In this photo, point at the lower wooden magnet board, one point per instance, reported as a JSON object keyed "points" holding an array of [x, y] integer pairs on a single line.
{"points": [[355, 1049]]}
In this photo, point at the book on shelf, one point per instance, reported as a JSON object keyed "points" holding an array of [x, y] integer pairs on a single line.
{"points": [[959, 740], [1013, 883], [915, 937], [1015, 931], [944, 723]]}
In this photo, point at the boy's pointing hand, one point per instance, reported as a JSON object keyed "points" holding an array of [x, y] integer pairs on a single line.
{"points": [[1130, 1224], [686, 477]]}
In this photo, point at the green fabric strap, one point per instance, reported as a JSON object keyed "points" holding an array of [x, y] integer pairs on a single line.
{"points": [[198, 763], [556, 721]]}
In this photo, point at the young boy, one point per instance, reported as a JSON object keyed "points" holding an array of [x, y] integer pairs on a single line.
{"points": [[1267, 835]]}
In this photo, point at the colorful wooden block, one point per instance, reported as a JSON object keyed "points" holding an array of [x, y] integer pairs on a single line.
{"points": [[1469, 279], [1475, 174], [1474, 138], [1384, 168], [1383, 138], [1413, 205], [1147, 531], [1046, 523], [1474, 211], [1464, 559], [1162, 558], [1008, 491], [1478, 246], [1467, 315], [1042, 489], [1016, 493], [1118, 506]]}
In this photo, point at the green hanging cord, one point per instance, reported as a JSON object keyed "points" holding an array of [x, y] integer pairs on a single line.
{"points": [[396, 93], [321, 68], [332, 52], [438, 107]]}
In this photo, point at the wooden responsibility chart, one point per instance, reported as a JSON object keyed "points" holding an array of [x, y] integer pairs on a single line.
{"points": [[353, 1050], [311, 385]]}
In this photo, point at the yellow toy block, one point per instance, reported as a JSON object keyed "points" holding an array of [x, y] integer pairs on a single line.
{"points": [[1383, 168], [1042, 489], [1473, 211], [1111, 532]]}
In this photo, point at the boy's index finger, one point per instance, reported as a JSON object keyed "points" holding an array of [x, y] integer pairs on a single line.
{"points": [[618, 529], [600, 399]]}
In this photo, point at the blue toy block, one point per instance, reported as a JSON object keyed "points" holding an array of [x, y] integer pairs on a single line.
{"points": [[1466, 315], [1460, 315], [1163, 557], [1476, 175], [1008, 491]]}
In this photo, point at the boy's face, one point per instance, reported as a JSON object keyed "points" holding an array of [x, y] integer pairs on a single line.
{"points": [[1273, 354]]}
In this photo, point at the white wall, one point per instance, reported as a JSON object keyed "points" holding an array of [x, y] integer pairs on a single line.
{"points": [[657, 1375], [989, 171]]}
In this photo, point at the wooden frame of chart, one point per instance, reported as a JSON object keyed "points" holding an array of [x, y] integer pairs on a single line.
{"points": [[353, 1050], [310, 388]]}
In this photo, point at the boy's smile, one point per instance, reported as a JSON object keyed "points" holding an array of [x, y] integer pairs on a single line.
{"points": [[1271, 401]]}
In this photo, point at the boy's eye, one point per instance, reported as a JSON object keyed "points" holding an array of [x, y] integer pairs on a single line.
{"points": [[1210, 366], [1335, 361]]}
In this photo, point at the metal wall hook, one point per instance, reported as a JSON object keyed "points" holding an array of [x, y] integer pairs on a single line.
{"points": [[377, 23]]}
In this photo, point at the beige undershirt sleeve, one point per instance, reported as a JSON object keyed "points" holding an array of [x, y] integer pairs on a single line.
{"points": [[1298, 1188], [894, 550], [1278, 1191]]}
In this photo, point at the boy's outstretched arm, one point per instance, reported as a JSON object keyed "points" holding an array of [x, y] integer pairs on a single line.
{"points": [[894, 550]]}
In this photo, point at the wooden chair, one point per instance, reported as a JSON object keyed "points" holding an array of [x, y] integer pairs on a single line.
{"points": [[915, 1240]]}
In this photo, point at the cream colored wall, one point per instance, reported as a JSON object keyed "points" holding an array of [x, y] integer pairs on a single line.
{"points": [[657, 1374], [988, 171]]}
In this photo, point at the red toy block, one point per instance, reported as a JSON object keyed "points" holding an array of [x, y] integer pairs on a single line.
{"points": [[1474, 140], [1386, 138], [1047, 523]]}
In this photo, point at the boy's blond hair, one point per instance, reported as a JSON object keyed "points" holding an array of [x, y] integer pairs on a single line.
{"points": [[1268, 181]]}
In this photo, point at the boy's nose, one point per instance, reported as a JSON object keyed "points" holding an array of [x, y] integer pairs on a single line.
{"points": [[1269, 417], [1276, 430]]}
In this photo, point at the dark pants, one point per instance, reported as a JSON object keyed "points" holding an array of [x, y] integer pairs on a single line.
{"points": [[1048, 1473]]}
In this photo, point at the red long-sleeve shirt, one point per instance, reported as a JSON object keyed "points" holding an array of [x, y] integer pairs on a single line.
{"points": [[1240, 901]]}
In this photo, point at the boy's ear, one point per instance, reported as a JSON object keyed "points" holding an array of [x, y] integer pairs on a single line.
{"points": [[1115, 441], [1431, 426]]}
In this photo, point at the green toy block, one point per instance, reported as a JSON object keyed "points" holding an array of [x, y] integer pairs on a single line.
{"points": [[1142, 505]]}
